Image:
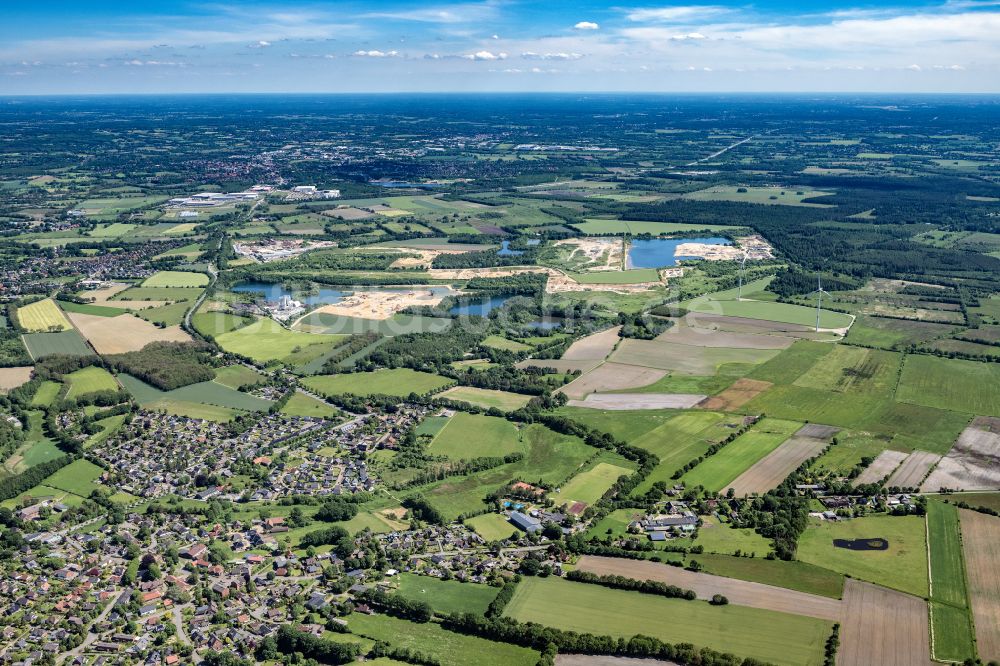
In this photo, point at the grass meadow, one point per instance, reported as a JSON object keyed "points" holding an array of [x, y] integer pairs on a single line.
{"points": [[778, 638], [902, 567]]}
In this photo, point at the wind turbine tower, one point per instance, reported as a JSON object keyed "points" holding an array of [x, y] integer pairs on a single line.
{"points": [[743, 267], [819, 298]]}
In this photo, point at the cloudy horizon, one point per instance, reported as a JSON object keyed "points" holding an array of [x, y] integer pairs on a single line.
{"points": [[499, 46]]}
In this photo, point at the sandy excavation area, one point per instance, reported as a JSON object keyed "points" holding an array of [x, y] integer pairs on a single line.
{"points": [[381, 304], [709, 252], [601, 254], [558, 282]]}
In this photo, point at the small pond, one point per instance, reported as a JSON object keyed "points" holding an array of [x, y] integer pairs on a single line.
{"points": [[876, 543]]}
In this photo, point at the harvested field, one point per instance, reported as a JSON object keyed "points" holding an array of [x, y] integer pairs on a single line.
{"points": [[740, 393], [125, 333], [11, 378], [880, 468], [503, 400], [593, 347], [973, 463], [685, 359], [710, 337], [882, 626], [625, 401], [739, 592], [980, 535], [771, 470], [611, 377], [720, 322], [913, 470]]}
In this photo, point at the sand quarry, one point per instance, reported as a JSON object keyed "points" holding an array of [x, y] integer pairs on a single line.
{"points": [[382, 304], [601, 254], [558, 282]]}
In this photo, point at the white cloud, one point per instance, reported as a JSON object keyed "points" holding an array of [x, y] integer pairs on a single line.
{"points": [[676, 14], [457, 13], [485, 55], [914, 68], [587, 25], [261, 44], [376, 54], [690, 35], [530, 55]]}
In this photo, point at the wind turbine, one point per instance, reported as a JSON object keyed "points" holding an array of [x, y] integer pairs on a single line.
{"points": [[743, 267], [819, 298]]}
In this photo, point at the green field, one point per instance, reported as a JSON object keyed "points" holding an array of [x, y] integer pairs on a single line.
{"points": [[887, 333], [674, 438], [720, 538], [597, 227], [89, 380], [42, 317], [498, 342], [794, 575], [903, 566], [301, 404], [176, 279], [397, 381], [113, 230], [631, 276], [449, 648], [166, 315], [725, 303], [502, 400], [470, 436], [491, 526], [590, 486], [171, 294], [96, 310], [267, 340], [399, 324], [778, 638], [45, 394], [953, 634], [205, 400], [235, 376], [216, 323], [77, 477], [47, 344], [550, 458], [962, 386], [447, 596], [760, 195], [716, 472]]}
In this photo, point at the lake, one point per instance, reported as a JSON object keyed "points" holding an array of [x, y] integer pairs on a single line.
{"points": [[480, 308], [321, 295], [659, 252], [505, 250]]}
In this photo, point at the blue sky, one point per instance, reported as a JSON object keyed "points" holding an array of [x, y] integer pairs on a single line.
{"points": [[98, 46]]}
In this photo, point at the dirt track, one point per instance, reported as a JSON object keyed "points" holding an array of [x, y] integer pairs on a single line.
{"points": [[980, 536], [772, 469], [607, 660], [880, 468], [739, 592], [882, 626], [913, 470]]}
